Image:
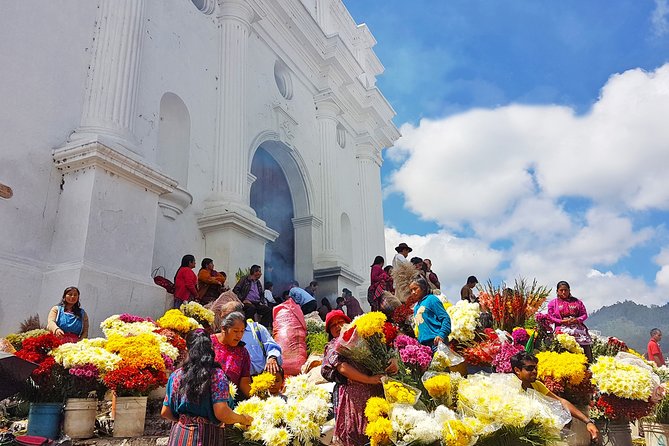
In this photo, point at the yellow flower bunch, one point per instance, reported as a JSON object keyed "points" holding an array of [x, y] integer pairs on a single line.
{"points": [[86, 351], [142, 351], [261, 383], [370, 324], [177, 321], [396, 392], [622, 380], [197, 312], [377, 408], [379, 432], [568, 342], [456, 433], [566, 366], [438, 386]]}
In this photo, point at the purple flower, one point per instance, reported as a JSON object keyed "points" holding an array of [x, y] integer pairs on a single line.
{"points": [[401, 341], [88, 371], [416, 354], [169, 363], [129, 318], [544, 322], [520, 336]]}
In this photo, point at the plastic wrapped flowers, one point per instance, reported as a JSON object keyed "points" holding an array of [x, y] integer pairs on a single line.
{"points": [[464, 319], [278, 422]]}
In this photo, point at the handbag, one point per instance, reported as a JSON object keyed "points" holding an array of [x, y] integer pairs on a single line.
{"points": [[161, 280]]}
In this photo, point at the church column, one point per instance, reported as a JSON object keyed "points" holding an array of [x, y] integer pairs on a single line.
{"points": [[371, 211], [326, 115], [111, 90], [231, 167]]}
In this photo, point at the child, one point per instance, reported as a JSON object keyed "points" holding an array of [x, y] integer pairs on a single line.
{"points": [[277, 387]]}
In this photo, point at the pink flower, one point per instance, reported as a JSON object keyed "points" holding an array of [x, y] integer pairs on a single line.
{"points": [[520, 336], [416, 354], [128, 318], [402, 341], [502, 361]]}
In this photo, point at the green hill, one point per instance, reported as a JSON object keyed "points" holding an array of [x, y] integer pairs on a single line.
{"points": [[631, 322]]}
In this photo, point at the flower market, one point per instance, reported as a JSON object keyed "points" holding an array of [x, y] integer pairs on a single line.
{"points": [[467, 389]]}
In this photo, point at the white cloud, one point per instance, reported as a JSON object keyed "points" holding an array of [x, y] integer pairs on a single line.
{"points": [[506, 173], [659, 18]]}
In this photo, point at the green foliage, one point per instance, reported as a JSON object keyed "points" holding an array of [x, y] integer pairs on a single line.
{"points": [[315, 327], [530, 435], [661, 415], [242, 273], [316, 343]]}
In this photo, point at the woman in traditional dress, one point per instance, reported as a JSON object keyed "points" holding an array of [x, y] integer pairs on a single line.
{"points": [[185, 281], [568, 314], [198, 396], [68, 319], [432, 322], [231, 354], [379, 280], [353, 387]]}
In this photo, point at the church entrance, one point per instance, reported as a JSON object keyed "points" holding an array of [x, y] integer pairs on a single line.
{"points": [[272, 201]]}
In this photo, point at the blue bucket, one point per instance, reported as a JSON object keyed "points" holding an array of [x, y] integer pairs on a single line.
{"points": [[44, 419]]}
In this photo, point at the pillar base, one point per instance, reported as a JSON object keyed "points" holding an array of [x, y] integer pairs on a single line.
{"points": [[332, 280]]}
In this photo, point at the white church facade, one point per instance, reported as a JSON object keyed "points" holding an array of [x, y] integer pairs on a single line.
{"points": [[137, 131]]}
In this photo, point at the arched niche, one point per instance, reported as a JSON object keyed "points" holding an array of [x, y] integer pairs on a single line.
{"points": [[174, 138]]}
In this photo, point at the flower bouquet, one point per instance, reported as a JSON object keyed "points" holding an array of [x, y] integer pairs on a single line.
{"points": [[512, 307], [364, 343], [438, 386], [177, 321], [85, 363], [483, 353], [196, 311], [134, 381], [566, 375], [502, 361], [45, 384], [564, 342], [295, 421], [444, 358], [610, 346], [261, 384], [464, 320], [396, 392], [626, 384], [127, 325], [16, 339]]}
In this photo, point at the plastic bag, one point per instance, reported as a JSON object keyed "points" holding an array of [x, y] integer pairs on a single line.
{"points": [[444, 358], [397, 392], [441, 392], [290, 332]]}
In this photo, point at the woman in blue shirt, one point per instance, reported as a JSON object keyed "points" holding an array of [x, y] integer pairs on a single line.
{"points": [[431, 321], [198, 396], [68, 318]]}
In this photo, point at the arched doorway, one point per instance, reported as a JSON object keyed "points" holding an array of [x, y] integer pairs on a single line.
{"points": [[272, 201]]}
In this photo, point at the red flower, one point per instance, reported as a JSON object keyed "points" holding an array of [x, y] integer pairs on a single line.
{"points": [[131, 380], [390, 332], [619, 409]]}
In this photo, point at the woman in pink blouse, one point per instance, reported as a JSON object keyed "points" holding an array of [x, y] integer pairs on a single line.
{"points": [[568, 314], [231, 353], [379, 280]]}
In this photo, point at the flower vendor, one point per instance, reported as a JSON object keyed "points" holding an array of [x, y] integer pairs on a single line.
{"points": [[568, 314], [185, 281], [210, 283], [264, 351], [432, 322], [231, 353], [355, 386], [68, 318], [197, 397], [524, 366]]}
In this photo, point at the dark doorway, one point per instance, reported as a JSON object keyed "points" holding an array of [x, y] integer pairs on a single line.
{"points": [[272, 201]]}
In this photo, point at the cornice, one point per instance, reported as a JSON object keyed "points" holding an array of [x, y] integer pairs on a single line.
{"points": [[338, 271], [245, 224], [125, 164]]}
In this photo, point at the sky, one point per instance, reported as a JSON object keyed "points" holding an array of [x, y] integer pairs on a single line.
{"points": [[535, 141]]}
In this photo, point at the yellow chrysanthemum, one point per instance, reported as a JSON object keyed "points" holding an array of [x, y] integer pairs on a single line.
{"points": [[438, 386], [456, 433], [370, 324], [197, 312], [177, 321], [568, 366], [623, 380], [376, 408], [140, 351], [396, 392], [379, 432], [568, 342], [261, 383]]}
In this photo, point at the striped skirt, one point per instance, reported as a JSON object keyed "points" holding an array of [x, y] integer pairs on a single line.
{"points": [[196, 431]]}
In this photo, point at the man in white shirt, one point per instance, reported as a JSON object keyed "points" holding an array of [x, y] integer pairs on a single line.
{"points": [[402, 255]]}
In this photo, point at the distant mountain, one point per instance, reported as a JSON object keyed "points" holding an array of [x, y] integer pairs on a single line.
{"points": [[631, 322]]}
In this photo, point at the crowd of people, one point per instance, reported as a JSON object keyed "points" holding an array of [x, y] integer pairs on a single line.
{"points": [[199, 396]]}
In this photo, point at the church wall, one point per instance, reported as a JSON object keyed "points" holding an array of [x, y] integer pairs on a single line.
{"points": [[45, 49]]}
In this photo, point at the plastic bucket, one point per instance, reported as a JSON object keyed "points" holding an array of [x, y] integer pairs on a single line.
{"points": [[44, 420], [79, 419], [129, 416]]}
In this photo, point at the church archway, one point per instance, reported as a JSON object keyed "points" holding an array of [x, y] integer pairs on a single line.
{"points": [[280, 196]]}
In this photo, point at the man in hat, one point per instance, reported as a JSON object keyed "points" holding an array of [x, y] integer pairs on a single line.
{"points": [[402, 255], [467, 293]]}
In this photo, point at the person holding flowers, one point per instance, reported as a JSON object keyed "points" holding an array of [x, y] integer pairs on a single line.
{"points": [[432, 322], [354, 385], [68, 318], [568, 314], [198, 396], [231, 353], [525, 367]]}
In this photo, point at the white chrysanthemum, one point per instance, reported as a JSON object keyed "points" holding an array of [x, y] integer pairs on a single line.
{"points": [[464, 319]]}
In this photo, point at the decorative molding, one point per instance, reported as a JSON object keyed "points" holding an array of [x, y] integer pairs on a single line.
{"points": [[285, 124], [127, 165], [310, 221], [338, 271], [206, 7], [248, 225], [172, 204]]}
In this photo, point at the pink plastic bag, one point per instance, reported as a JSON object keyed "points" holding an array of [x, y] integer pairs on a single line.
{"points": [[290, 332]]}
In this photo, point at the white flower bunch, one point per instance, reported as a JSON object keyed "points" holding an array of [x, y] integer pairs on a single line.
{"points": [[568, 342], [464, 319], [114, 325], [86, 351]]}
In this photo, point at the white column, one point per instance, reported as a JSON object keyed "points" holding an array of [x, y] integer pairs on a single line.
{"points": [[231, 168], [371, 199], [323, 15], [326, 115], [113, 75]]}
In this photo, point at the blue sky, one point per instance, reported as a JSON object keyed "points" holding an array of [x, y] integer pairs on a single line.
{"points": [[534, 140]]}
